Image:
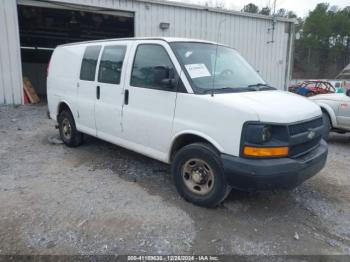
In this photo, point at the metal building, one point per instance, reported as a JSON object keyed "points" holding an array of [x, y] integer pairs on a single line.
{"points": [[30, 29], [345, 73]]}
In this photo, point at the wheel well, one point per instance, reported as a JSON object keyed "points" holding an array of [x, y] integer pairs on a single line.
{"points": [[63, 107], [326, 112], [184, 140]]}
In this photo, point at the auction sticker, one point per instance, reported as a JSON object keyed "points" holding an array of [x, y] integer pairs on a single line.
{"points": [[197, 70]]}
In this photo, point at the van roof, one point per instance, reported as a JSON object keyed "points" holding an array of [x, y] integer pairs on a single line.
{"points": [[166, 39]]}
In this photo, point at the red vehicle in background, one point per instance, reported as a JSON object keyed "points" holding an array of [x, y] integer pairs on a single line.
{"points": [[312, 87]]}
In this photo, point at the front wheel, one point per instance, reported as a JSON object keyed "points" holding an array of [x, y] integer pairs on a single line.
{"points": [[198, 175]]}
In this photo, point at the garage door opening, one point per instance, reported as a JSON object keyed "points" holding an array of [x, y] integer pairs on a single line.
{"points": [[42, 28]]}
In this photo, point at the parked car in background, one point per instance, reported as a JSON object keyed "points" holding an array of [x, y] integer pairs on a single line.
{"points": [[312, 87], [196, 105], [335, 112]]}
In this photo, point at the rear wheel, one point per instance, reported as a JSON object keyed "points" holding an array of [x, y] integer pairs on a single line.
{"points": [[198, 175], [68, 132], [327, 126]]}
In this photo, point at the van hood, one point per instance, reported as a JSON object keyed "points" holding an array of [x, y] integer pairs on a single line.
{"points": [[272, 106]]}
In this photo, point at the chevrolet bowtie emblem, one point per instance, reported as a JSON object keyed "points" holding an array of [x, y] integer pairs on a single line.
{"points": [[311, 134]]}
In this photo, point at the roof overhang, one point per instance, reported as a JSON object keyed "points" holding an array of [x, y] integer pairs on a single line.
{"points": [[218, 10]]}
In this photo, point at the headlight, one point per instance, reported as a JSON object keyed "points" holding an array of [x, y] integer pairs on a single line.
{"points": [[257, 134], [264, 140], [266, 134]]}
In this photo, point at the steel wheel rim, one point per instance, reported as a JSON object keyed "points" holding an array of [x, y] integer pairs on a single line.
{"points": [[66, 129], [198, 176]]}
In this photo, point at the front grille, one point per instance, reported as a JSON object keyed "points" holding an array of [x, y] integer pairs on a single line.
{"points": [[305, 144], [300, 149], [305, 126]]}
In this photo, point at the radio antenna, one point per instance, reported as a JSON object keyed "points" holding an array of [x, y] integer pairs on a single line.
{"points": [[216, 54]]}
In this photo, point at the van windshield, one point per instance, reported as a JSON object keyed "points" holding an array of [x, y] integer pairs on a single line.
{"points": [[212, 68]]}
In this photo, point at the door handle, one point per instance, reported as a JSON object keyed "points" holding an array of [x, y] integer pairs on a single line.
{"points": [[98, 92], [126, 97]]}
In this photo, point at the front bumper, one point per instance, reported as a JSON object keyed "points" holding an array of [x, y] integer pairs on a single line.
{"points": [[280, 173]]}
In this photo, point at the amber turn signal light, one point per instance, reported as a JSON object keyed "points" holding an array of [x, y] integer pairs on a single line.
{"points": [[266, 151]]}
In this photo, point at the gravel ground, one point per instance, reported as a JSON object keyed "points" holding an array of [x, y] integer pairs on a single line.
{"points": [[102, 199]]}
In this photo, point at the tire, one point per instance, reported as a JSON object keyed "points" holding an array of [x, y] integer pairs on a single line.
{"points": [[327, 126], [198, 175], [68, 131]]}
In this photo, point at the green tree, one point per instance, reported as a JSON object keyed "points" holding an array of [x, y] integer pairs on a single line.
{"points": [[291, 14], [265, 11], [250, 8], [281, 12], [323, 48]]}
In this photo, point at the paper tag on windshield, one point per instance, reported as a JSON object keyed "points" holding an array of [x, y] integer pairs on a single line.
{"points": [[197, 70]]}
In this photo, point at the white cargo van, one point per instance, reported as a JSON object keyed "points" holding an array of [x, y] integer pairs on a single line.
{"points": [[196, 105]]}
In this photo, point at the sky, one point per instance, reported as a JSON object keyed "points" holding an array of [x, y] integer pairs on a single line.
{"points": [[300, 7]]}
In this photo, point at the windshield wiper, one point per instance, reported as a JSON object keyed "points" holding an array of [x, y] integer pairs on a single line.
{"points": [[255, 87], [261, 86], [233, 89]]}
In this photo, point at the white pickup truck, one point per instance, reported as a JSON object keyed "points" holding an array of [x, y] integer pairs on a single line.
{"points": [[196, 105], [335, 110]]}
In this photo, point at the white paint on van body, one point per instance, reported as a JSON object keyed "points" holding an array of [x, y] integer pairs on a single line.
{"points": [[153, 119]]}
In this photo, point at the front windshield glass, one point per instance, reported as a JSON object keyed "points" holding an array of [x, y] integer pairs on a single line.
{"points": [[228, 73]]}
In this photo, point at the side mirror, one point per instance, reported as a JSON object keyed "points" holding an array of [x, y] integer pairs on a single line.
{"points": [[164, 76]]}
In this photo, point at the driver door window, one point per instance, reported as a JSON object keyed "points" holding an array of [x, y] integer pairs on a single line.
{"points": [[151, 65]]}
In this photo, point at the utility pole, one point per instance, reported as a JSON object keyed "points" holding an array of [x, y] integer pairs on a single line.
{"points": [[274, 21]]}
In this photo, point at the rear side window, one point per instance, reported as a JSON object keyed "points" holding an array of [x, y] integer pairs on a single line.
{"points": [[148, 58], [111, 64], [89, 63]]}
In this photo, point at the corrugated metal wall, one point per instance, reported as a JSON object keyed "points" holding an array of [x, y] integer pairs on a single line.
{"points": [[249, 34], [10, 58]]}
